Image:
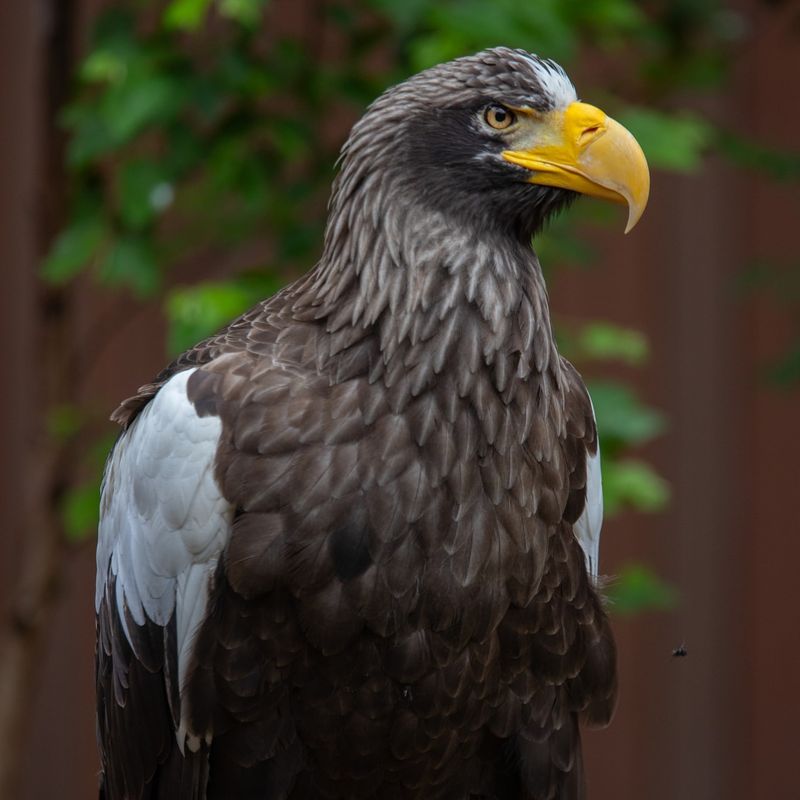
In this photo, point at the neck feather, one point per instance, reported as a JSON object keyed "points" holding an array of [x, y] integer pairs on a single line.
{"points": [[435, 296]]}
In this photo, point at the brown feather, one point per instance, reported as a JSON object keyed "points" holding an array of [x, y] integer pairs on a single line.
{"points": [[402, 609]]}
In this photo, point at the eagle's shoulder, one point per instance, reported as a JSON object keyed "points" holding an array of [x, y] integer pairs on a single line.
{"points": [[254, 332], [578, 406], [164, 523], [585, 506]]}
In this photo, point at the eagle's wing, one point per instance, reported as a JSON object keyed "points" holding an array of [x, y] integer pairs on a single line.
{"points": [[594, 688], [164, 523], [588, 525], [585, 507]]}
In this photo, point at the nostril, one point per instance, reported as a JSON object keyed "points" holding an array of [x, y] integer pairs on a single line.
{"points": [[587, 134]]}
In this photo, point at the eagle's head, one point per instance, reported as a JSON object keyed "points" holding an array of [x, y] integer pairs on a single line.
{"points": [[497, 140]]}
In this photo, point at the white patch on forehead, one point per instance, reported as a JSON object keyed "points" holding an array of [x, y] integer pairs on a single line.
{"points": [[554, 81]]}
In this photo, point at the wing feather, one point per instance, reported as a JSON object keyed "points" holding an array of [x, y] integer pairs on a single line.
{"points": [[588, 526], [164, 523]]}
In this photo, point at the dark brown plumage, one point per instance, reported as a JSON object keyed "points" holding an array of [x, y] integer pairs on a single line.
{"points": [[397, 605]]}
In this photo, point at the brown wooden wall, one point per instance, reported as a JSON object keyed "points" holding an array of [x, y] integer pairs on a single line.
{"points": [[721, 723]]}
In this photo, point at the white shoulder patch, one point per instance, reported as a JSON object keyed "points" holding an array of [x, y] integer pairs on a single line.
{"points": [[163, 519], [587, 527]]}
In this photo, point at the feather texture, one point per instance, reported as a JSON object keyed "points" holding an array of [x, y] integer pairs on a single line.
{"points": [[353, 523]]}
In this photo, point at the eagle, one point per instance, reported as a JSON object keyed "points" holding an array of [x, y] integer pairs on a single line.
{"points": [[348, 546]]}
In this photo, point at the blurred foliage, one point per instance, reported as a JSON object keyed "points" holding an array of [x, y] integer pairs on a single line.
{"points": [[595, 341], [778, 165], [199, 126], [779, 283], [64, 422], [674, 142], [195, 311], [623, 419], [80, 505], [637, 588]]}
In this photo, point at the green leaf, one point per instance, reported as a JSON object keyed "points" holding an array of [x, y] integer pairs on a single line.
{"points": [[632, 484], [611, 19], [674, 142], [776, 163], [80, 511], [115, 45], [131, 262], [457, 28], [103, 66], [239, 75], [636, 588], [141, 100], [246, 12], [97, 455], [559, 246], [90, 136], [186, 14], [144, 97], [292, 138], [604, 341], [74, 249], [405, 15], [140, 186], [64, 421], [195, 312], [622, 419]]}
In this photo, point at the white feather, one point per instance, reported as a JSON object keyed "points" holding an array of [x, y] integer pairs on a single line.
{"points": [[554, 81], [587, 527], [164, 520]]}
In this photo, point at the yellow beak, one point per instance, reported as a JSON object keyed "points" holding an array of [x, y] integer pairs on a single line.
{"points": [[582, 149]]}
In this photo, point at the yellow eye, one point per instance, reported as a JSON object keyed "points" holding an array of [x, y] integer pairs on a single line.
{"points": [[499, 118]]}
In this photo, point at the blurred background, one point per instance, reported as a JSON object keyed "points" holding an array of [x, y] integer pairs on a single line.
{"points": [[166, 164]]}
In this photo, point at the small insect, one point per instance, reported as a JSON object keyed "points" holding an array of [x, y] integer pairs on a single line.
{"points": [[680, 651]]}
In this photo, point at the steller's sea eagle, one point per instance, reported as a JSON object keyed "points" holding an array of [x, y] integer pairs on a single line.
{"points": [[348, 545]]}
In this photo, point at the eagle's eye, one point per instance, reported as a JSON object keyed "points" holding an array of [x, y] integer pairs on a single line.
{"points": [[499, 117]]}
